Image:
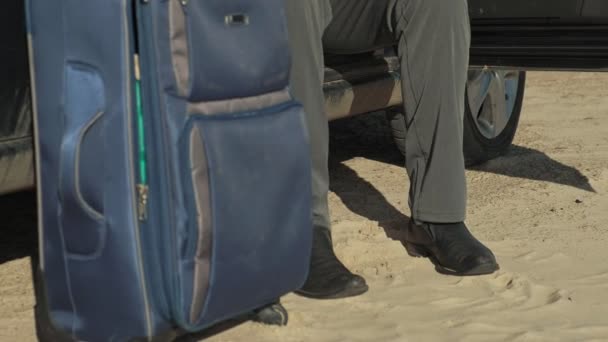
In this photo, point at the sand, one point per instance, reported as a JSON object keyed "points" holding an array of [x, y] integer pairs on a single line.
{"points": [[542, 208]]}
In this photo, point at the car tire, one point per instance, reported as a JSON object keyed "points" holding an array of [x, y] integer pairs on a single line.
{"points": [[483, 139], [396, 120], [480, 142]]}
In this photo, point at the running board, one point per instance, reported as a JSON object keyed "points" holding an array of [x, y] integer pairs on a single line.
{"points": [[362, 84]]}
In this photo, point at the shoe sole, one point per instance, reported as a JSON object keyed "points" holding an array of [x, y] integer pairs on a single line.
{"points": [[346, 293], [418, 251]]}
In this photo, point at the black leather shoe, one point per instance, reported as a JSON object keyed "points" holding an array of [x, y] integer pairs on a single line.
{"points": [[328, 278], [451, 247]]}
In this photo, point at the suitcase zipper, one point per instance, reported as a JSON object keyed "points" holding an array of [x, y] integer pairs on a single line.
{"points": [[142, 186], [132, 68]]}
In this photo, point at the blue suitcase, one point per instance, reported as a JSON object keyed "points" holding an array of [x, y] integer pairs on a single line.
{"points": [[173, 164]]}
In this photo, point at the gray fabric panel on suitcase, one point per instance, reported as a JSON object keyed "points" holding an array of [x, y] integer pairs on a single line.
{"points": [[252, 103], [179, 47], [202, 197]]}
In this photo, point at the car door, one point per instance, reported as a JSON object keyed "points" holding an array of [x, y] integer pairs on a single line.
{"points": [[15, 119], [16, 162], [540, 34]]}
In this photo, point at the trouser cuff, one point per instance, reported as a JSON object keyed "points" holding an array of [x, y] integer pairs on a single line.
{"points": [[438, 217]]}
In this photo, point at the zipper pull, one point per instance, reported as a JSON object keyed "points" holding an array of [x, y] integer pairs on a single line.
{"points": [[142, 187], [136, 70], [142, 203]]}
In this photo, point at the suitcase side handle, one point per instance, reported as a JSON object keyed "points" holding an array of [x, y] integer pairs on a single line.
{"points": [[83, 225]]}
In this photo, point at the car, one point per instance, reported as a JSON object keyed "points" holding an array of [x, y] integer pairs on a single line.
{"points": [[508, 38], [16, 156]]}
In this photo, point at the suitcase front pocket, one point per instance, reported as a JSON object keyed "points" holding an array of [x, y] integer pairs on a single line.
{"points": [[249, 199], [212, 43]]}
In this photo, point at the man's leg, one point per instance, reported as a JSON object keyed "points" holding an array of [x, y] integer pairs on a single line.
{"points": [[433, 39], [307, 19]]}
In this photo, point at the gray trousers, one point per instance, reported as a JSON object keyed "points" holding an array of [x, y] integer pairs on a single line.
{"points": [[433, 38]]}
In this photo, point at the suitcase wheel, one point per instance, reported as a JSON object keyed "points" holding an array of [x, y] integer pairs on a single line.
{"points": [[274, 314]]}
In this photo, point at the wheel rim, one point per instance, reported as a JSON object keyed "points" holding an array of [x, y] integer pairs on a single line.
{"points": [[492, 95]]}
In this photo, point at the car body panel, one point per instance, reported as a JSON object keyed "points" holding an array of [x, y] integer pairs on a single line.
{"points": [[540, 34], [496, 9], [16, 157]]}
